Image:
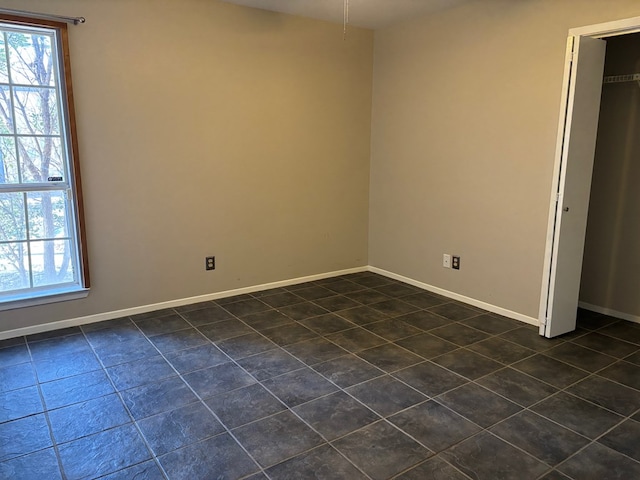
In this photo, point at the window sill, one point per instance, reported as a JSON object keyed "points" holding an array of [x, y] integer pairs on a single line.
{"points": [[42, 298]]}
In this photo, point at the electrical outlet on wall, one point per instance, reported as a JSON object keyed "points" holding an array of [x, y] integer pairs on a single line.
{"points": [[446, 260], [455, 262], [210, 263]]}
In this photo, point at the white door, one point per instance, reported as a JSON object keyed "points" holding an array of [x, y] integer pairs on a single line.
{"points": [[569, 216]]}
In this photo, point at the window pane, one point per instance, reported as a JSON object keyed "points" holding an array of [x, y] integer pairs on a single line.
{"points": [[12, 222], [35, 111], [6, 111], [4, 76], [40, 158], [47, 215], [30, 59], [14, 269], [8, 162], [51, 262]]}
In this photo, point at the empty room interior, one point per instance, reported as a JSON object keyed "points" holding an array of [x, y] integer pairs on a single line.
{"points": [[321, 239]]}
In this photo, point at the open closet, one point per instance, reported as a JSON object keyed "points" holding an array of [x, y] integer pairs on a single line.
{"points": [[611, 262]]}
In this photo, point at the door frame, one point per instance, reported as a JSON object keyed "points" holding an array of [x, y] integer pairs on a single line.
{"points": [[601, 30]]}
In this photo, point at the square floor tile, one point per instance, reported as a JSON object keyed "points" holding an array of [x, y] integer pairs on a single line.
{"points": [[344, 286], [244, 405], [17, 376], [224, 459], [367, 297], [270, 364], [322, 462], [607, 394], [424, 300], [501, 350], [327, 324], [86, 418], [545, 440], [148, 470], [430, 379], [221, 331], [246, 345], [288, 334], [315, 351], [531, 339], [282, 299], [348, 370], [517, 386], [492, 324], [336, 415], [277, 438], [580, 357], [389, 357], [177, 428], [397, 289], [219, 379], [486, 457], [381, 451], [75, 389], [314, 292], [38, 465], [336, 303], [300, 311], [607, 345], [165, 324], [392, 329], [424, 320], [434, 469], [66, 366], [171, 342], [454, 311], [465, 401], [624, 439], [426, 345], [116, 448], [19, 403], [580, 416], [14, 355], [434, 425], [622, 330], [386, 395], [134, 374], [362, 315], [246, 307], [267, 319], [154, 398], [197, 358], [23, 436], [299, 386], [468, 364], [459, 334], [549, 370], [623, 372], [211, 314], [356, 339], [598, 461], [394, 308]]}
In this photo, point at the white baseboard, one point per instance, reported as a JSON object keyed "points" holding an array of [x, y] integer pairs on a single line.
{"points": [[610, 312], [99, 317], [455, 296]]}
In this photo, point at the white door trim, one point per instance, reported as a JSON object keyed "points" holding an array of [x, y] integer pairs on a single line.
{"points": [[601, 30]]}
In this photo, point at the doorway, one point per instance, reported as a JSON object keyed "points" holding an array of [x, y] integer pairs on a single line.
{"points": [[569, 203]]}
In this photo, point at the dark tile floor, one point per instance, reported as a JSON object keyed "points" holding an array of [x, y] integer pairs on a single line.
{"points": [[357, 377]]}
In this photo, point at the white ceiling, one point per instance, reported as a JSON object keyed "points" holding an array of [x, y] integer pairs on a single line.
{"points": [[362, 13]]}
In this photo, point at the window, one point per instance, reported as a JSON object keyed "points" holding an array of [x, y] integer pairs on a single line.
{"points": [[42, 254]]}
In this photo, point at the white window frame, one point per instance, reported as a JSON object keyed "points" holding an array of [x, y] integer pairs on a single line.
{"points": [[71, 184]]}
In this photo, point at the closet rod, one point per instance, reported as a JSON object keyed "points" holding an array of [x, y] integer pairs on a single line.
{"points": [[43, 16]]}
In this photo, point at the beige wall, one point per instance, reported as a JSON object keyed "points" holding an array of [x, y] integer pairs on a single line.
{"points": [[611, 267], [211, 129], [465, 115]]}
